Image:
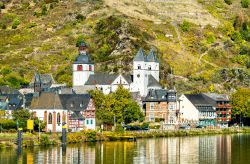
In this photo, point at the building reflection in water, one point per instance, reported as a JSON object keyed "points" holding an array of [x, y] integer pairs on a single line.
{"points": [[176, 150]]}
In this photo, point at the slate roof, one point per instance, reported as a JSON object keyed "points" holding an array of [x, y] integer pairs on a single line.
{"points": [[101, 79], [159, 95], [44, 78], [50, 100], [47, 100], [83, 59], [152, 57], [200, 102], [11, 101], [140, 56], [152, 82]]}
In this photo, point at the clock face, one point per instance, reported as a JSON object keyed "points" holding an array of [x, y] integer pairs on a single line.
{"points": [[138, 75]]}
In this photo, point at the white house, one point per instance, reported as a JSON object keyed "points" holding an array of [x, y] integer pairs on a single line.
{"points": [[145, 74], [196, 108], [76, 110]]}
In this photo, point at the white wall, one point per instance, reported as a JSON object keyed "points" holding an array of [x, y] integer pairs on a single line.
{"points": [[80, 77], [40, 116], [187, 110], [88, 124]]}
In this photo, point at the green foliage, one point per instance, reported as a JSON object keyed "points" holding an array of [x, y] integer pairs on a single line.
{"points": [[15, 23], [7, 124], [38, 122], [229, 2], [118, 104], [80, 17], [185, 26], [241, 103], [2, 6], [21, 116], [245, 3], [44, 140]]}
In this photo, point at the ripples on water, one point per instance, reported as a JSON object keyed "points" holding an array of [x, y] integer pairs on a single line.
{"points": [[173, 150]]}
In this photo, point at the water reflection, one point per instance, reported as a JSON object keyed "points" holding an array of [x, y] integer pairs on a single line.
{"points": [[181, 150]]}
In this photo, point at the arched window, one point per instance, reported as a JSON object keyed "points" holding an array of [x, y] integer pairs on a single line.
{"points": [[50, 118], [58, 118], [139, 66], [79, 67], [149, 67]]}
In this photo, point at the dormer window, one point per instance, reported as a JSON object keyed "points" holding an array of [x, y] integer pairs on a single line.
{"points": [[72, 104], [139, 66], [79, 67], [81, 105]]}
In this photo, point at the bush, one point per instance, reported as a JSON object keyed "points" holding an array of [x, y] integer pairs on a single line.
{"points": [[80, 17], [245, 3], [229, 2], [15, 23], [185, 26], [8, 124], [44, 140]]}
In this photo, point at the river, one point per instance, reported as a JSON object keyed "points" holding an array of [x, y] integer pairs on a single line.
{"points": [[214, 149]]}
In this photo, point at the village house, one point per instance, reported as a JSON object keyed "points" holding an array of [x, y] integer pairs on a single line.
{"points": [[77, 111], [221, 104], [160, 105]]}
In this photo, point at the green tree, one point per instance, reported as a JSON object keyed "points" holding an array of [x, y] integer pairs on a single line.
{"points": [[118, 104], [185, 26], [229, 2], [245, 3], [38, 123], [241, 103], [21, 116], [15, 23]]}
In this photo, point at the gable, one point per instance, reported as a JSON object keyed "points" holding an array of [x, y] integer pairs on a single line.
{"points": [[120, 80]]}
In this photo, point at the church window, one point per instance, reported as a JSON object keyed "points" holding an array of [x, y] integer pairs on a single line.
{"points": [[138, 75], [149, 67], [79, 67], [50, 118], [90, 67], [58, 118], [139, 66]]}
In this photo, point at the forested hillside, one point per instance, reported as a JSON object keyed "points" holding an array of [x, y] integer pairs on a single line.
{"points": [[205, 42]]}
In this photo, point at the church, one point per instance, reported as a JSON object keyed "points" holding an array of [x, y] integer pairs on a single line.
{"points": [[145, 75]]}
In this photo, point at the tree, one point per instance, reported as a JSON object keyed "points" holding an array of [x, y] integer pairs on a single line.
{"points": [[245, 3], [21, 116], [229, 2], [241, 103], [38, 124], [118, 105]]}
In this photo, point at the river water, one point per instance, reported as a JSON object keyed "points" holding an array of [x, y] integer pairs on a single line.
{"points": [[226, 149]]}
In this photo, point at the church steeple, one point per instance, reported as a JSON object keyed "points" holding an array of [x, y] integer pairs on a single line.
{"points": [[82, 48]]}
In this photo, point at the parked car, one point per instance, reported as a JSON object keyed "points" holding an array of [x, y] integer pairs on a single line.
{"points": [[184, 127], [201, 126]]}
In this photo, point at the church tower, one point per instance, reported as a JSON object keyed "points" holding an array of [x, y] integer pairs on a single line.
{"points": [[153, 65], [37, 83], [140, 76], [83, 67]]}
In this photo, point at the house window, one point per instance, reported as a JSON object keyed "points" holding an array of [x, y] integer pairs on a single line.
{"points": [[139, 67], [90, 67], [151, 106], [151, 117], [58, 118], [87, 122], [50, 118], [149, 67], [91, 121], [79, 67]]}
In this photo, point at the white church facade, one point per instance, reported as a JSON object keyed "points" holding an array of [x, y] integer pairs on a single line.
{"points": [[145, 74]]}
